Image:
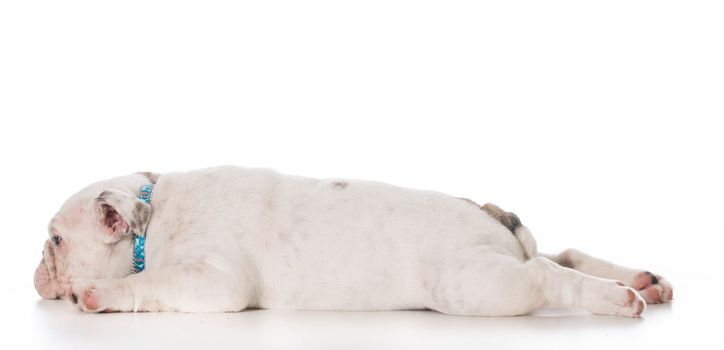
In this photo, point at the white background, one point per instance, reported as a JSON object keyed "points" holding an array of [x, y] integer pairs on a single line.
{"points": [[598, 123]]}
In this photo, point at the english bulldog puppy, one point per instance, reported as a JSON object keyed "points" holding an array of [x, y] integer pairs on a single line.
{"points": [[228, 238]]}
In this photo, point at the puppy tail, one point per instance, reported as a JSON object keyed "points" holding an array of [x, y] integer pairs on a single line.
{"points": [[512, 222]]}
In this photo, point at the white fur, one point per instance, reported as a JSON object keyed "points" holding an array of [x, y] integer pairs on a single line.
{"points": [[229, 238]]}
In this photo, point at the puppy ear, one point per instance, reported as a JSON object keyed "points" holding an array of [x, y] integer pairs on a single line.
{"points": [[121, 213]]}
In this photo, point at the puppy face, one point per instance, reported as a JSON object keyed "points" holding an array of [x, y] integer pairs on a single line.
{"points": [[90, 236]]}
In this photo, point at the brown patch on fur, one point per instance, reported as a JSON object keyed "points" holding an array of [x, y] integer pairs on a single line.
{"points": [[141, 216], [508, 219], [151, 176], [565, 261], [340, 185]]}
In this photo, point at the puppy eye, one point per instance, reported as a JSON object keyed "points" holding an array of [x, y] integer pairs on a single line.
{"points": [[56, 239]]}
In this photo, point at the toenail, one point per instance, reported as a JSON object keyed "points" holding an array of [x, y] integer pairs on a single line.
{"points": [[74, 298], [654, 280]]}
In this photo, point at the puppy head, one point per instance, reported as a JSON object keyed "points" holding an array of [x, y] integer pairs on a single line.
{"points": [[90, 236]]}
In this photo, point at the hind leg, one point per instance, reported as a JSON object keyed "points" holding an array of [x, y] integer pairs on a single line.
{"points": [[654, 288], [483, 282]]}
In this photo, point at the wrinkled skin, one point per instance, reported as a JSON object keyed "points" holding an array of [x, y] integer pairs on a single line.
{"points": [[87, 238]]}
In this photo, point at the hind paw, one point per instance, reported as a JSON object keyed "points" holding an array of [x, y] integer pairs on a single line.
{"points": [[653, 288]]}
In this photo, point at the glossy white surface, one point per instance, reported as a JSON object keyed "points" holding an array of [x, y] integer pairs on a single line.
{"points": [[691, 321]]}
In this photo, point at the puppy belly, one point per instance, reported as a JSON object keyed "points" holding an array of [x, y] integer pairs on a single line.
{"points": [[341, 289]]}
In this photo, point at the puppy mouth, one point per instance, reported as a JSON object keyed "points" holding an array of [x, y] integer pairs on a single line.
{"points": [[46, 280], [45, 284]]}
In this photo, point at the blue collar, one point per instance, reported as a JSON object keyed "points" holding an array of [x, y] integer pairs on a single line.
{"points": [[139, 241]]}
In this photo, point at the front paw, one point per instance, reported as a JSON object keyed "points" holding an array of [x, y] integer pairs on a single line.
{"points": [[97, 295], [609, 297]]}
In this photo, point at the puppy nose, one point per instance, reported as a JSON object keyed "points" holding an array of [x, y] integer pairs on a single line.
{"points": [[74, 298]]}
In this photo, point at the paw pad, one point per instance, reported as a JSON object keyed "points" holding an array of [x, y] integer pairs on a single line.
{"points": [[89, 300], [653, 288]]}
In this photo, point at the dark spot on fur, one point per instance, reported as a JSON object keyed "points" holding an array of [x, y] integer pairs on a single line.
{"points": [[508, 219], [565, 261], [654, 280], [513, 222], [138, 206], [141, 215], [340, 185], [283, 236]]}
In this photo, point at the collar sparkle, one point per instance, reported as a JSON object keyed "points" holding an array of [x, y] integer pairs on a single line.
{"points": [[139, 241]]}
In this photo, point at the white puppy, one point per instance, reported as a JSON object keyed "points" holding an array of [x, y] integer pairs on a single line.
{"points": [[228, 238]]}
